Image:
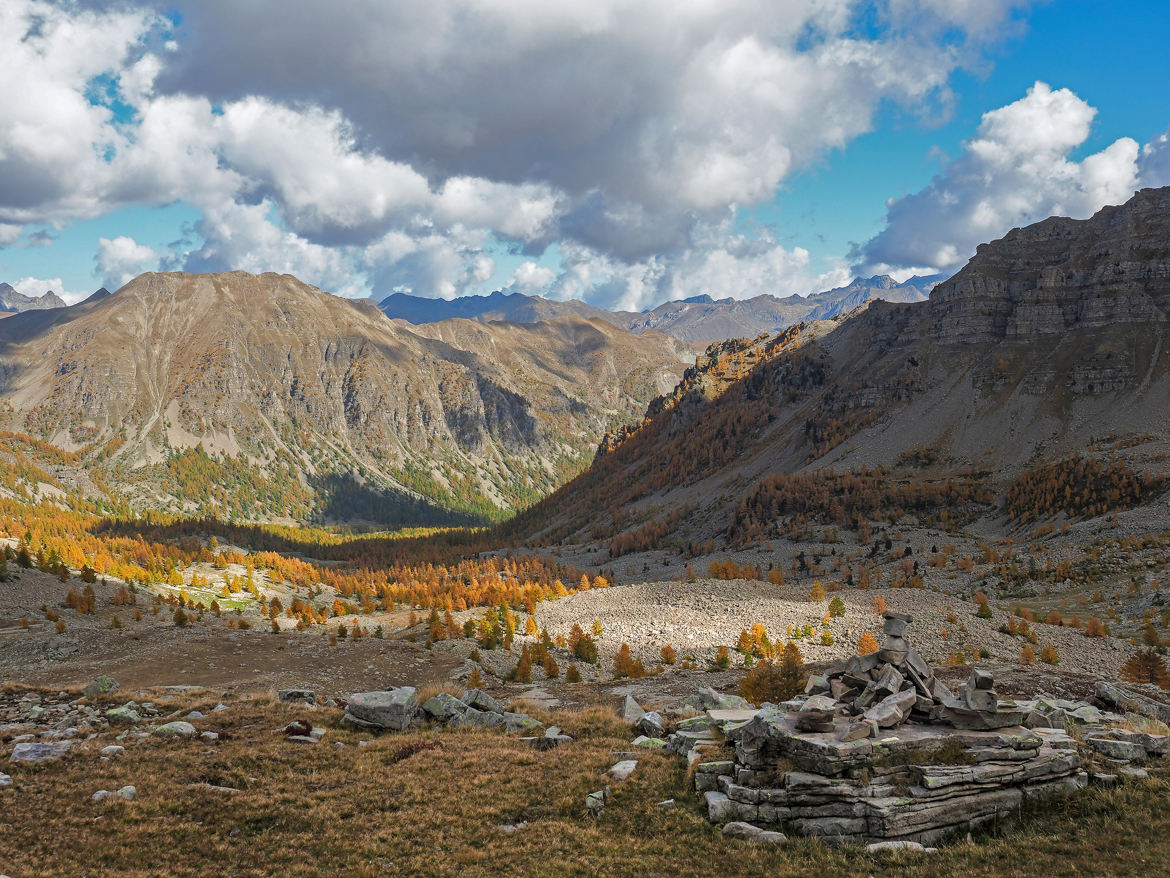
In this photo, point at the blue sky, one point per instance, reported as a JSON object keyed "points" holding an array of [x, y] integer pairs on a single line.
{"points": [[541, 164]]}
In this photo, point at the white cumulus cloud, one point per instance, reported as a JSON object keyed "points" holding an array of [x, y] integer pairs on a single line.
{"points": [[1019, 168], [121, 259]]}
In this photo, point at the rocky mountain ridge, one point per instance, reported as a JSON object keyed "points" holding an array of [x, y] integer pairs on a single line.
{"points": [[258, 396], [696, 319], [1048, 339], [14, 302]]}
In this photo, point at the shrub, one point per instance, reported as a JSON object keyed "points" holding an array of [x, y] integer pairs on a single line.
{"points": [[475, 679], [984, 611], [522, 673], [1027, 657], [1146, 666], [826, 639], [1054, 618], [551, 669], [774, 682], [573, 675], [879, 606], [817, 593], [179, 618], [1094, 628], [668, 656], [597, 629], [867, 644], [60, 626], [624, 664], [585, 649], [722, 658], [1049, 655], [836, 608]]}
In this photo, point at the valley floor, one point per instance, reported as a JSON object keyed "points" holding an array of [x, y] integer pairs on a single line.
{"points": [[468, 802]]}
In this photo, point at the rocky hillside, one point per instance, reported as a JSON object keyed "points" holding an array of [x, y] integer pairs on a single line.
{"points": [[697, 319], [703, 319], [1047, 341], [496, 307], [258, 396]]}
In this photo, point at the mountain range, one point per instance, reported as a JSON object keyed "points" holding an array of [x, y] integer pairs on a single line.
{"points": [[258, 396], [12, 302], [696, 319], [1049, 339]]}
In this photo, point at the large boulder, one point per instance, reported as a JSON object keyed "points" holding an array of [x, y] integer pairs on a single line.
{"points": [[651, 725], [444, 707], [179, 729], [34, 752], [709, 699], [125, 715], [103, 685], [480, 700], [394, 709], [291, 696], [631, 710]]}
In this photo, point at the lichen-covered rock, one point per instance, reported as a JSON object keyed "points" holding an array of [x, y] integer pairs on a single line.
{"points": [[34, 752], [480, 700], [443, 707], [394, 710], [177, 729], [103, 685]]}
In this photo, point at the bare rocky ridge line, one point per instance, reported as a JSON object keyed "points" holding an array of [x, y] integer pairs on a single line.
{"points": [[309, 387]]}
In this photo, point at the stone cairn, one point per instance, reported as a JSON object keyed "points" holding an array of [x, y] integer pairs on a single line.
{"points": [[884, 689], [880, 750]]}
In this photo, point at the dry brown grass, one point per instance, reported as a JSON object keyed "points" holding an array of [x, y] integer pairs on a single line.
{"points": [[431, 802]]}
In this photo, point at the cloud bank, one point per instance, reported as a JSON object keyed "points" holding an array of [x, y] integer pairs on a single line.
{"points": [[1017, 169], [371, 146]]}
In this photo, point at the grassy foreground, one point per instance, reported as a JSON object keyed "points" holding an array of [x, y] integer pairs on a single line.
{"points": [[432, 803]]}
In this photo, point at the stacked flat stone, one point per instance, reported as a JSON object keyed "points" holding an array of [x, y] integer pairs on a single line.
{"points": [[886, 688], [913, 783]]}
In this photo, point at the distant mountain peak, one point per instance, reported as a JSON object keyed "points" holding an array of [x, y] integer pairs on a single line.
{"points": [[12, 300]]}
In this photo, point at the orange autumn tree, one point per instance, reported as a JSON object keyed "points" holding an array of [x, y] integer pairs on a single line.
{"points": [[867, 644]]}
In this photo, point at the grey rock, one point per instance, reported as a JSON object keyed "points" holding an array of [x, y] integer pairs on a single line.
{"points": [[596, 800], [650, 725], [122, 716], [632, 712], [709, 699], [817, 684], [649, 743], [209, 736], [480, 700], [666, 805], [5, 780], [289, 696], [720, 809], [893, 710], [113, 750], [195, 714], [1125, 750], [444, 707], [748, 832], [395, 709], [981, 679], [521, 722], [1123, 699], [127, 793], [178, 729], [35, 752], [103, 685], [622, 770]]}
